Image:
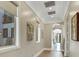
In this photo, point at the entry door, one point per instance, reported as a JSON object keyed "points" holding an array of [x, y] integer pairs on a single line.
{"points": [[77, 26]]}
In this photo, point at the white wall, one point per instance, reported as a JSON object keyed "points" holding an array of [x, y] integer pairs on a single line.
{"points": [[28, 48]]}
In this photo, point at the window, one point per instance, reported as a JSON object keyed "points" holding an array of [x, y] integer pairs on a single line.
{"points": [[5, 33], [8, 18], [6, 28], [12, 32], [9, 28]]}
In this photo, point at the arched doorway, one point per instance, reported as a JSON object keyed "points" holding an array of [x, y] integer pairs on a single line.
{"points": [[57, 38]]}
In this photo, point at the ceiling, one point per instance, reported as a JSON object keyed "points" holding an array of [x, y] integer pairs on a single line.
{"points": [[56, 11], [74, 8]]}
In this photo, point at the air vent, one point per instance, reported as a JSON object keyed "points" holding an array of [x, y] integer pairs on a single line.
{"points": [[52, 12], [49, 3]]}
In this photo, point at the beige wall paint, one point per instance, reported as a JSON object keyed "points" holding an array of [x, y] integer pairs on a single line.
{"points": [[8, 7], [28, 48], [47, 35], [67, 32], [71, 47]]}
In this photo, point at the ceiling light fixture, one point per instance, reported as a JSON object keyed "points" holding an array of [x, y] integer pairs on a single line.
{"points": [[50, 8], [51, 12]]}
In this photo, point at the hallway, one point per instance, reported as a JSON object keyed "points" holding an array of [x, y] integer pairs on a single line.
{"points": [[51, 53], [39, 29], [54, 52]]}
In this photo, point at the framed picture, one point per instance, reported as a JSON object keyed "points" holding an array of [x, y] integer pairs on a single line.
{"points": [[30, 31]]}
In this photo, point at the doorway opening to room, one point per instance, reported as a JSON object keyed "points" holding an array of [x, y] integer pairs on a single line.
{"points": [[57, 43], [57, 39]]}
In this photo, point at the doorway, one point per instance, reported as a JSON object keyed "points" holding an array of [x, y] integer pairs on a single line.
{"points": [[57, 38]]}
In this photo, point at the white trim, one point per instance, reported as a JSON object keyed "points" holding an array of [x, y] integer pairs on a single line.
{"points": [[39, 34], [17, 42], [7, 48], [48, 49], [17, 29], [38, 53]]}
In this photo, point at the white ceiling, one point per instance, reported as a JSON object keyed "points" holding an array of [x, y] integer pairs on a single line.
{"points": [[40, 9]]}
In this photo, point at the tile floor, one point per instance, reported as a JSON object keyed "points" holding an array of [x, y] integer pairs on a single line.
{"points": [[74, 48], [56, 52], [51, 53]]}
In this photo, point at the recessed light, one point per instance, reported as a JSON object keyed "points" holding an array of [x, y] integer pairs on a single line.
{"points": [[50, 8], [52, 16]]}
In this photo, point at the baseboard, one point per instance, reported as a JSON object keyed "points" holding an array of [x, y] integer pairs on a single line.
{"points": [[38, 53], [48, 49]]}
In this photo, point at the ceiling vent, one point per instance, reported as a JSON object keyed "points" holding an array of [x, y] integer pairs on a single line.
{"points": [[52, 12], [49, 3]]}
